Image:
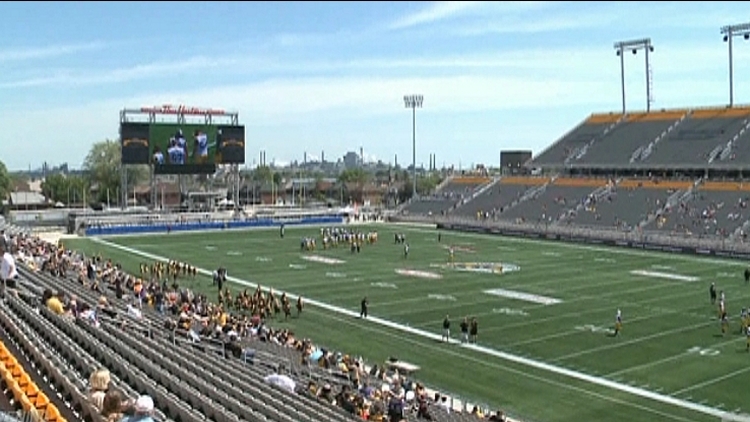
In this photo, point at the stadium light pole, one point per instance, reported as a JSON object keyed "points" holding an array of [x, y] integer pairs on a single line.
{"points": [[635, 45], [413, 102], [729, 32]]}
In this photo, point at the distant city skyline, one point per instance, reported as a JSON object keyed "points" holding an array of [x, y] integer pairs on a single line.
{"points": [[331, 76]]}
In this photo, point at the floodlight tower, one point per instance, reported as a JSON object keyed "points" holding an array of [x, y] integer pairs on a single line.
{"points": [[731, 31], [413, 102], [634, 46]]}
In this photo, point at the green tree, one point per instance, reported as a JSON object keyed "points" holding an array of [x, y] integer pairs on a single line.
{"points": [[277, 179], [102, 165], [5, 182], [66, 189], [56, 187], [355, 175], [262, 174]]}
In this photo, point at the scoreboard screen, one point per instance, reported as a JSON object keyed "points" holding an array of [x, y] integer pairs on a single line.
{"points": [[134, 138], [231, 144]]}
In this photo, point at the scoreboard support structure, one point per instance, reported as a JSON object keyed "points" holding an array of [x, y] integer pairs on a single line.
{"points": [[178, 115]]}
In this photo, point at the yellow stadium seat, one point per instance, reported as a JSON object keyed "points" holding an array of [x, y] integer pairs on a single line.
{"points": [[17, 371], [10, 362], [31, 390], [24, 380], [52, 414], [41, 401]]}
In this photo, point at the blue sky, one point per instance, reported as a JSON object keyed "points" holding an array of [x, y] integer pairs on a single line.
{"points": [[317, 76]]}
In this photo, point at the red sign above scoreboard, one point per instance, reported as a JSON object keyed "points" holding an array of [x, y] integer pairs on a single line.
{"points": [[184, 110]]}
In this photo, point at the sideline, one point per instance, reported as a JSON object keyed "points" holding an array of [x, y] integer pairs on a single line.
{"points": [[636, 391]]}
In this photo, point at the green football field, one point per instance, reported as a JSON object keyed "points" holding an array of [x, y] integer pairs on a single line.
{"points": [[545, 352]]}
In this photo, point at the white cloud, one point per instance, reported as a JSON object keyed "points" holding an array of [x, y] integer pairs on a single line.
{"points": [[536, 17], [33, 53], [669, 60], [306, 102], [437, 11], [156, 70]]}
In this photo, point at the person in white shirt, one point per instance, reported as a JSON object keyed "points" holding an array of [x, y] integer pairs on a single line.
{"points": [[8, 270]]}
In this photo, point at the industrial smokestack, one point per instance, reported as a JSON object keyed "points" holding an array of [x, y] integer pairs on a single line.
{"points": [[304, 158], [322, 156], [361, 155], [395, 160]]}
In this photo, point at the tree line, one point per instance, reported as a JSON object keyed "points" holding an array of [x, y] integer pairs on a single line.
{"points": [[101, 178]]}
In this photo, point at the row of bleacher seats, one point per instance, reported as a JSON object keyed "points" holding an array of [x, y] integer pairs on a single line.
{"points": [[679, 207], [701, 137], [190, 377], [450, 195]]}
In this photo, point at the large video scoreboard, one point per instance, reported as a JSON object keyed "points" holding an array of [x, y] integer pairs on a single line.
{"points": [[181, 146]]}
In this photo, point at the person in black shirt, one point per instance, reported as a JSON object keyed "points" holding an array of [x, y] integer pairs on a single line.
{"points": [[712, 293], [446, 329], [363, 308], [747, 275], [465, 331], [473, 330]]}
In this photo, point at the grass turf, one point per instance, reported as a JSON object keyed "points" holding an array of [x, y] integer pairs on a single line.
{"points": [[671, 341]]}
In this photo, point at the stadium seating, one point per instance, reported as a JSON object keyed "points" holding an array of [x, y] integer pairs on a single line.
{"points": [[463, 185], [430, 206], [577, 140], [630, 137], [190, 379], [630, 203], [495, 199], [700, 139], [448, 196], [714, 209], [554, 201]]}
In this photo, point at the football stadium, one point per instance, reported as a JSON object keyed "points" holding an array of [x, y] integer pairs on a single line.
{"points": [[605, 278]]}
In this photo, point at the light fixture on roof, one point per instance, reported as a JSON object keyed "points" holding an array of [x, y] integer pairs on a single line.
{"points": [[635, 45]]}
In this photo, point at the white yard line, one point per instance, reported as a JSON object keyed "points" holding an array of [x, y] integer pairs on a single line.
{"points": [[712, 381], [611, 307], [455, 353], [667, 360], [574, 332], [634, 341], [602, 382]]}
